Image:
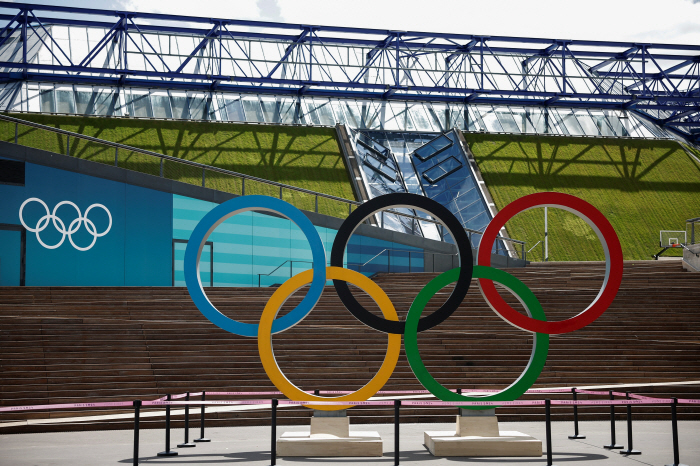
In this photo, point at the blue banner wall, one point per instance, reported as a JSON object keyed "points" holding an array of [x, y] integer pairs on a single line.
{"points": [[135, 251], [145, 243]]}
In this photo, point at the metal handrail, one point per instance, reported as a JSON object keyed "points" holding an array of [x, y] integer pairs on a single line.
{"points": [[203, 167], [404, 250], [378, 254], [692, 222], [117, 145], [291, 265], [409, 251], [534, 246], [436, 222]]}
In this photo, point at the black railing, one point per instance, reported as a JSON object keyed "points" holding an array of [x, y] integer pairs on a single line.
{"points": [[291, 269]]}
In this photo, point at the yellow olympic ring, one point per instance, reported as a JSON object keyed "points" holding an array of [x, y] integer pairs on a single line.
{"points": [[276, 302]]}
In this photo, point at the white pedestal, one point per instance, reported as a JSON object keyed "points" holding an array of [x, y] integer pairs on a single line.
{"points": [[330, 436], [478, 435]]}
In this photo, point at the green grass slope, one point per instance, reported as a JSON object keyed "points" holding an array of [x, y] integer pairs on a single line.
{"points": [[641, 186], [304, 157]]}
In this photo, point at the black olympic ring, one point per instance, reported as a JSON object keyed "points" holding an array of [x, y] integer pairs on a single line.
{"points": [[424, 204]]}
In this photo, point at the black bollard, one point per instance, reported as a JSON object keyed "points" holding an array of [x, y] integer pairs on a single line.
{"points": [[317, 392], [168, 451], [201, 422], [576, 434], [674, 427], [397, 408], [186, 443], [548, 429], [630, 450], [137, 412], [613, 445], [273, 436], [459, 410]]}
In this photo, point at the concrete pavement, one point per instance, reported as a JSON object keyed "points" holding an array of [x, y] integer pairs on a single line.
{"points": [[251, 445]]}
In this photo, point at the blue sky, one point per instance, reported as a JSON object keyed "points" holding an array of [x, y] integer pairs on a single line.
{"points": [[670, 21]]}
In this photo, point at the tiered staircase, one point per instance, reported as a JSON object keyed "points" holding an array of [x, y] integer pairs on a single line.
{"points": [[64, 345]]}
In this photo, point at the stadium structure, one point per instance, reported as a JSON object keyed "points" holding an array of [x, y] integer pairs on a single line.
{"points": [[144, 122]]}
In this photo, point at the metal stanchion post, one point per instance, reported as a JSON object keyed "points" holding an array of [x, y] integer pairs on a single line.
{"points": [[674, 427], [201, 422], [137, 412], [548, 429], [397, 408], [168, 451], [576, 434], [186, 443], [273, 436], [630, 450], [613, 445], [459, 410]]}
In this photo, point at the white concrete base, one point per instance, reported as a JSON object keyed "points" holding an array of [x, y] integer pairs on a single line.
{"points": [[336, 426], [508, 443], [322, 445], [477, 426]]}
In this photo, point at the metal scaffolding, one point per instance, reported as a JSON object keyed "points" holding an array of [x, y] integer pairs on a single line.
{"points": [[449, 74]]}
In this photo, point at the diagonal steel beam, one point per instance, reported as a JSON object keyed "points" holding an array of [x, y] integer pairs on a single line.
{"points": [[372, 55], [200, 46], [290, 48]]}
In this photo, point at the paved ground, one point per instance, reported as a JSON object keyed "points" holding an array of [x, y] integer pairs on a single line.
{"points": [[251, 445]]}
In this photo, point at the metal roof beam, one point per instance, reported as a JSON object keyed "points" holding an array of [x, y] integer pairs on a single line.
{"points": [[618, 57], [541, 54]]}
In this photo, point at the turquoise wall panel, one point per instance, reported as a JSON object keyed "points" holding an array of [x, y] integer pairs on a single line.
{"points": [[10, 257], [257, 248]]}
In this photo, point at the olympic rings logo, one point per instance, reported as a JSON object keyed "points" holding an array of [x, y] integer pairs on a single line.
{"points": [[73, 227], [535, 321]]}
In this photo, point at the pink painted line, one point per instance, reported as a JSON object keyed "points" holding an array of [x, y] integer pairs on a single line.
{"points": [[612, 402], [397, 392], [112, 404], [642, 397], [181, 395], [421, 403], [641, 400], [208, 402], [472, 403], [591, 392], [244, 393], [620, 394], [381, 392]]}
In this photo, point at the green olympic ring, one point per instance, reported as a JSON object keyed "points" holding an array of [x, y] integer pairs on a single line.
{"points": [[538, 357]]}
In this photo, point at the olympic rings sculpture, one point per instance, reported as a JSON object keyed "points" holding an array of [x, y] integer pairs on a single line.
{"points": [[73, 227], [535, 321]]}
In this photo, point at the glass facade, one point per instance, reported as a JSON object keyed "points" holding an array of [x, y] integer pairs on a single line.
{"points": [[421, 163], [445, 176], [365, 115]]}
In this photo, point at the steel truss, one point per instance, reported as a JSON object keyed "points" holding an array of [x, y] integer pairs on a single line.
{"points": [[156, 51]]}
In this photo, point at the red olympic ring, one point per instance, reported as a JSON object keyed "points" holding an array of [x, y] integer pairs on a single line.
{"points": [[607, 236]]}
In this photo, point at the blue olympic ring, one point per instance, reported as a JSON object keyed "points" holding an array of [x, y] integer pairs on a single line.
{"points": [[221, 213]]}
